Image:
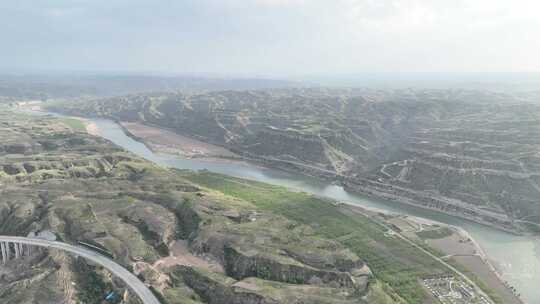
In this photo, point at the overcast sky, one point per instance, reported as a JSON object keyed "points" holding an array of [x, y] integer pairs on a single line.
{"points": [[271, 37]]}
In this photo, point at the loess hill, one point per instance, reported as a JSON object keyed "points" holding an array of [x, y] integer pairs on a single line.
{"points": [[472, 154], [194, 237]]}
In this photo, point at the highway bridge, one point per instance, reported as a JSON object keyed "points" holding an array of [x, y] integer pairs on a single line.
{"points": [[23, 245]]}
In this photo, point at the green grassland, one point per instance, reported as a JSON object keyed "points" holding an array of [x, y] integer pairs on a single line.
{"points": [[435, 233], [83, 188], [393, 261], [73, 123]]}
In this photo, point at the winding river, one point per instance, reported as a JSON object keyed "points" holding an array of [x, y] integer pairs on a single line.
{"points": [[517, 258]]}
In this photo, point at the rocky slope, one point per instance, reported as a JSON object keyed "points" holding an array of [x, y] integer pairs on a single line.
{"points": [[469, 153], [191, 244]]}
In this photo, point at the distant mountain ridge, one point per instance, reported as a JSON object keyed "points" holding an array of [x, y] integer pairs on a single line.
{"points": [[66, 86]]}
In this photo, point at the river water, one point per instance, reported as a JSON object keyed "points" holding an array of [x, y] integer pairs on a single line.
{"points": [[516, 257]]}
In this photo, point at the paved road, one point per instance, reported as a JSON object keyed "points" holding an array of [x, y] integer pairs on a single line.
{"points": [[131, 280], [462, 275], [440, 260]]}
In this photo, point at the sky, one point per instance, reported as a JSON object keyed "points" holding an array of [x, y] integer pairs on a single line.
{"points": [[277, 38]]}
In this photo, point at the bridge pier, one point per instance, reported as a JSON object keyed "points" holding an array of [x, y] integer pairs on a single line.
{"points": [[4, 252], [18, 248], [17, 253]]}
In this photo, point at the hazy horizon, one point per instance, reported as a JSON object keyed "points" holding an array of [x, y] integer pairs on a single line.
{"points": [[503, 82], [285, 39]]}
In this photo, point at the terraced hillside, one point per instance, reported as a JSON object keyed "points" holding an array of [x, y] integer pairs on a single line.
{"points": [[191, 243], [469, 153]]}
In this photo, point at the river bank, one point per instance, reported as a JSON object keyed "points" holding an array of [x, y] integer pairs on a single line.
{"points": [[456, 245], [516, 257], [167, 142], [163, 141]]}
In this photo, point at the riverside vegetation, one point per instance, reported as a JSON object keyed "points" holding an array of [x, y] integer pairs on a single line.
{"points": [[200, 237], [472, 154], [194, 237]]}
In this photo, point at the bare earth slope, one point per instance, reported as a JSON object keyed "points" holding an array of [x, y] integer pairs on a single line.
{"points": [[190, 244], [468, 153]]}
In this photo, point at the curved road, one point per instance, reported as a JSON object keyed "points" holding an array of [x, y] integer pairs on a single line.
{"points": [[146, 296]]}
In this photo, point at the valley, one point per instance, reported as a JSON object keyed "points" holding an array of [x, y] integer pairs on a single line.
{"points": [[269, 152], [380, 179], [240, 241], [470, 154], [518, 263]]}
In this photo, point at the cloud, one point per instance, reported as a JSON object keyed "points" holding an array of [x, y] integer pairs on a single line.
{"points": [[278, 37], [64, 12], [281, 2]]}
